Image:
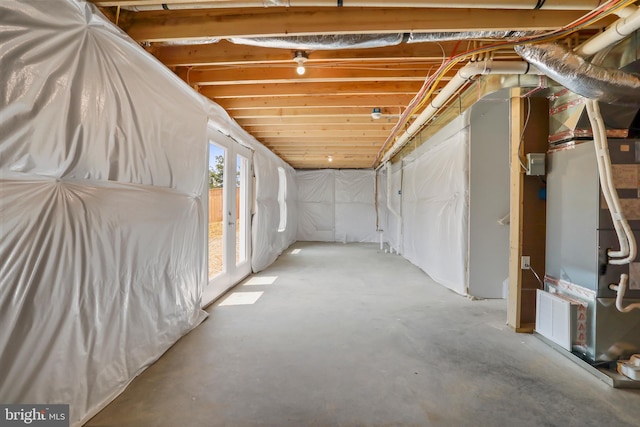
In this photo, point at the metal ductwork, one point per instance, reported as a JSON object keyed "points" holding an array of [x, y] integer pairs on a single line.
{"points": [[568, 118], [608, 85], [464, 35], [360, 41], [323, 42]]}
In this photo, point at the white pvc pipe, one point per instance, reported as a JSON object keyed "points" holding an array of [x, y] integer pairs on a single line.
{"points": [[627, 242], [627, 11], [621, 288], [617, 31], [469, 4], [620, 29], [462, 76]]}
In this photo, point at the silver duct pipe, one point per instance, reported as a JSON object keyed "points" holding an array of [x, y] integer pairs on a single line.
{"points": [[464, 35], [611, 86], [360, 41], [322, 42]]}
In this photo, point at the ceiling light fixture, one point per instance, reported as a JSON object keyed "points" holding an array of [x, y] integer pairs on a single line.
{"points": [[300, 58], [376, 113], [330, 158]]}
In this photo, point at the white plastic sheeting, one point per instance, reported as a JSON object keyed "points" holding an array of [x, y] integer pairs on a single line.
{"points": [[337, 205], [268, 242], [102, 226], [316, 206], [435, 206]]}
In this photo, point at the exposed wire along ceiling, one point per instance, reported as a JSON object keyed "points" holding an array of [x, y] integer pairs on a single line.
{"points": [[241, 55]]}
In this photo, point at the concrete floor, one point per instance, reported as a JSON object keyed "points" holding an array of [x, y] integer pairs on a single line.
{"points": [[349, 336]]}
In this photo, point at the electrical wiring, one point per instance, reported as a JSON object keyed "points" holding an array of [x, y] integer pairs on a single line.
{"points": [[537, 277], [432, 81]]}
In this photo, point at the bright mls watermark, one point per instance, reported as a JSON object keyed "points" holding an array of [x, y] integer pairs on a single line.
{"points": [[34, 415]]}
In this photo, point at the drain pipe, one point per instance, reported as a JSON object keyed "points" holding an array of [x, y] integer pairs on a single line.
{"points": [[465, 74], [621, 288], [617, 31], [629, 23]]}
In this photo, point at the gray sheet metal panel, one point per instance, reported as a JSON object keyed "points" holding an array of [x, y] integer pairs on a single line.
{"points": [[488, 198], [616, 333], [572, 216]]}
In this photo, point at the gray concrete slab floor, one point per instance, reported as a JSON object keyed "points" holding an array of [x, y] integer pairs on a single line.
{"points": [[350, 336]]}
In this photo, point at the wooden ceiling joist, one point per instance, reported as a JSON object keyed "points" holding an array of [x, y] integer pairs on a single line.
{"points": [[188, 24], [310, 89], [294, 129], [229, 54], [327, 111], [288, 122], [325, 101], [316, 73]]}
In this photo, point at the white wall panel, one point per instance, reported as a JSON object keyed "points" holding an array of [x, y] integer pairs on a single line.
{"points": [[336, 205]]}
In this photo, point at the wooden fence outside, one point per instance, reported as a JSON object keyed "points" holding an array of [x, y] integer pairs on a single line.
{"points": [[215, 204]]}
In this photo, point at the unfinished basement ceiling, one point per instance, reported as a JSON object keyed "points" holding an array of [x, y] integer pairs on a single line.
{"points": [[323, 118]]}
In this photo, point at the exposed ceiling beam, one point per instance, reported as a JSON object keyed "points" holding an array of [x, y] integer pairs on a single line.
{"points": [[277, 113], [380, 126], [316, 73], [226, 53], [345, 133], [310, 89], [306, 122], [256, 22], [522, 4], [323, 140], [325, 145], [368, 101]]}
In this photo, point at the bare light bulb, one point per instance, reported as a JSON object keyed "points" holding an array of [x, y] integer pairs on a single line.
{"points": [[330, 158], [300, 58]]}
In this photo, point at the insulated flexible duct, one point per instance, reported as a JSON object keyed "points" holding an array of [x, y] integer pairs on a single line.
{"points": [[360, 41], [463, 35], [608, 85], [322, 42]]}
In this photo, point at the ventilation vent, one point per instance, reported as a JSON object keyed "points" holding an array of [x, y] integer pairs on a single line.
{"points": [[553, 318]]}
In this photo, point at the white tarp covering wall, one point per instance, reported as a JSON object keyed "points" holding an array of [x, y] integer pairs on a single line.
{"points": [[433, 184], [268, 242], [102, 226], [336, 206]]}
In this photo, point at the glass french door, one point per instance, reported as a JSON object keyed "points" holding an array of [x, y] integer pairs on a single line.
{"points": [[229, 215]]}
